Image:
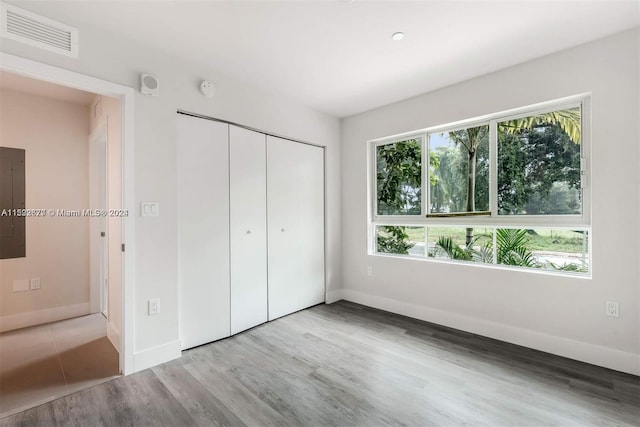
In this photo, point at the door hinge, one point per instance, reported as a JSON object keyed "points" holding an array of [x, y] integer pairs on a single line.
{"points": [[103, 234], [123, 247]]}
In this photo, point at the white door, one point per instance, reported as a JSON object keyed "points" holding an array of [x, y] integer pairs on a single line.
{"points": [[203, 230], [311, 224], [248, 198], [295, 212], [282, 215], [98, 252]]}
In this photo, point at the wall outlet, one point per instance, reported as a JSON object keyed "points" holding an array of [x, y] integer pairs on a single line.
{"points": [[369, 270], [20, 285], [612, 309], [154, 306], [35, 283]]}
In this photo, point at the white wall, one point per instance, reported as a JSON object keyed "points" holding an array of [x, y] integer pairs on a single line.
{"points": [[55, 136], [562, 315], [108, 56]]}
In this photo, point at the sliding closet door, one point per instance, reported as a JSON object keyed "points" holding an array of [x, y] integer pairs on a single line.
{"points": [[248, 196], [203, 230], [282, 214], [311, 224], [295, 205]]}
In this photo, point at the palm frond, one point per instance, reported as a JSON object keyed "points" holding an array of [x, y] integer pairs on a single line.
{"points": [[568, 120], [569, 267], [512, 247], [445, 245]]}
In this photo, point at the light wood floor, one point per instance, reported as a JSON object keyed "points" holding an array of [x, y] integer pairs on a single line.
{"points": [[344, 364]]}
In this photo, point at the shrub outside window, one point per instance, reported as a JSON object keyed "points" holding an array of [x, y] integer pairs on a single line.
{"points": [[507, 189], [399, 177]]}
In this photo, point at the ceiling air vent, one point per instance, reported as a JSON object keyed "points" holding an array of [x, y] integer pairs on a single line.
{"points": [[27, 27]]}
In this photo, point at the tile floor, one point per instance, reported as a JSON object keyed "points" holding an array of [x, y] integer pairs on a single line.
{"points": [[44, 362]]}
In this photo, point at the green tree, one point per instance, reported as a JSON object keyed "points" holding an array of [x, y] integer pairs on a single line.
{"points": [[567, 120], [470, 139], [399, 178], [445, 194], [393, 240], [538, 170], [398, 191]]}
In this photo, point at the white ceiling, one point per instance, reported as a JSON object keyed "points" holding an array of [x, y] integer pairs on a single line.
{"points": [[338, 56], [41, 88]]}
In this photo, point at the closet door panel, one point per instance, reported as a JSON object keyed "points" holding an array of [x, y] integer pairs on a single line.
{"points": [[311, 289], [248, 209], [203, 230], [282, 215]]}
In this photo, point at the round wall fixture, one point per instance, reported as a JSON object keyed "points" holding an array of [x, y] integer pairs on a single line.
{"points": [[149, 85], [397, 36], [208, 89]]}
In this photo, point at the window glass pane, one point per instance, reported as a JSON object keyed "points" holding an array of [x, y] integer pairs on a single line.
{"points": [[539, 164], [459, 167], [450, 243], [399, 178], [556, 250], [400, 240]]}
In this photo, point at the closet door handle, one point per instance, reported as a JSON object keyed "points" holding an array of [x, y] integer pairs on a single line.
{"points": [[248, 231], [282, 230]]}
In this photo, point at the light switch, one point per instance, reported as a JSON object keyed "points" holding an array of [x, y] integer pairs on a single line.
{"points": [[35, 283], [150, 209]]}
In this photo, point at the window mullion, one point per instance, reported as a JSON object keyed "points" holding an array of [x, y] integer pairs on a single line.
{"points": [[373, 179], [426, 183], [493, 168], [495, 246], [426, 241]]}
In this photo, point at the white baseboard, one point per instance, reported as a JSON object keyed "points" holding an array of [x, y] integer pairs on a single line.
{"points": [[572, 349], [333, 296], [48, 315], [113, 334], [156, 355]]}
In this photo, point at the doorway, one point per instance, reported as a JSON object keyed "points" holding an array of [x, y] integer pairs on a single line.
{"points": [[109, 306], [125, 95], [54, 342]]}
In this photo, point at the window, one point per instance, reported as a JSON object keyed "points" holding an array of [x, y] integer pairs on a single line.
{"points": [[539, 164], [399, 177], [507, 189], [459, 170]]}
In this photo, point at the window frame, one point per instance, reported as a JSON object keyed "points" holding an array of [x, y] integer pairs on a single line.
{"points": [[580, 221]]}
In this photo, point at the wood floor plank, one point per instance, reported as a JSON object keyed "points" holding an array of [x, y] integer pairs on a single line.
{"points": [[136, 400], [246, 404], [348, 365], [202, 406]]}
